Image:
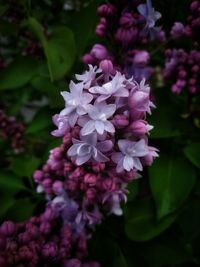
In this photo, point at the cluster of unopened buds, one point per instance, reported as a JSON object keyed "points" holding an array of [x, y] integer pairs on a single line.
{"points": [[183, 68], [42, 241], [126, 25], [13, 131]]}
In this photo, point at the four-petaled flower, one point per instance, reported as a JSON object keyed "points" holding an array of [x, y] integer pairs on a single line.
{"points": [[128, 158], [76, 102], [115, 87], [89, 76], [151, 16], [88, 148], [97, 120]]}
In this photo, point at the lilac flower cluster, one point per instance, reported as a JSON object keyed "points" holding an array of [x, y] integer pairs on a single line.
{"points": [[127, 26], [42, 241], [193, 28], [183, 69], [13, 131], [104, 146]]}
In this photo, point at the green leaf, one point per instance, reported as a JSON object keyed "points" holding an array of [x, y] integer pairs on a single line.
{"points": [[3, 9], [166, 251], [141, 223], [133, 189], [9, 182], [192, 152], [23, 166], [21, 210], [41, 121], [18, 73], [87, 30], [59, 48], [44, 85], [112, 253], [165, 118], [171, 180], [6, 203], [189, 220]]}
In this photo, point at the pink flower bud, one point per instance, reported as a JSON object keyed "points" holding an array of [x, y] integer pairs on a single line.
{"points": [[141, 58], [7, 228], [57, 187], [90, 179], [106, 66], [139, 100], [126, 20], [99, 52], [140, 127], [88, 59], [106, 10], [120, 121], [38, 175], [72, 263], [91, 194], [108, 184]]}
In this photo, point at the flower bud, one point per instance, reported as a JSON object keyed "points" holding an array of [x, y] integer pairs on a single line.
{"points": [[100, 52], [7, 228], [49, 250], [90, 179], [88, 59], [38, 175], [72, 263], [120, 121], [57, 187], [140, 127], [106, 10], [106, 66], [177, 30], [141, 58], [139, 100]]}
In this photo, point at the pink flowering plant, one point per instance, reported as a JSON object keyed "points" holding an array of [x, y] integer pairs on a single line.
{"points": [[100, 168]]}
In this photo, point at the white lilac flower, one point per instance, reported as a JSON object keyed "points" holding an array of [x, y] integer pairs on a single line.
{"points": [[128, 158], [98, 119], [89, 76], [88, 148], [115, 87], [151, 16], [76, 102]]}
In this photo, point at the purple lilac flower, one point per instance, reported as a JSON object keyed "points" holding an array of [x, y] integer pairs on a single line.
{"points": [[128, 158], [115, 87], [99, 113], [88, 148], [76, 102], [88, 76], [151, 16]]}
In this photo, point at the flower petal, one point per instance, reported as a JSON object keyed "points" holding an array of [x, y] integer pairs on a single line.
{"points": [[100, 127], [80, 160], [105, 146], [88, 128], [128, 163], [109, 127], [137, 164]]}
